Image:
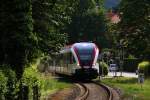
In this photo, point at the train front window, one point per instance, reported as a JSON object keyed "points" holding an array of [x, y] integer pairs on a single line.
{"points": [[85, 56]]}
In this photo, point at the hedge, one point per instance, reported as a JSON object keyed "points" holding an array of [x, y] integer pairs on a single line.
{"points": [[103, 67], [130, 65], [144, 67]]}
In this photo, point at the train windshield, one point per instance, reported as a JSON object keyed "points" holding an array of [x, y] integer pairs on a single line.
{"points": [[85, 56]]}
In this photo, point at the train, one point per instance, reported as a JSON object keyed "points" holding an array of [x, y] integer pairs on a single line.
{"points": [[78, 60]]}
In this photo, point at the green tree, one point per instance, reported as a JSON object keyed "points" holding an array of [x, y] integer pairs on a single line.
{"points": [[112, 33], [134, 26], [88, 23], [29, 28], [16, 40], [50, 18]]}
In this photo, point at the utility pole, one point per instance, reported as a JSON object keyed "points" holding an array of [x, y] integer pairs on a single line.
{"points": [[120, 54], [121, 57]]}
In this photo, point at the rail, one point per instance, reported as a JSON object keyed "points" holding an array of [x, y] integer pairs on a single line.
{"points": [[107, 88], [83, 91]]}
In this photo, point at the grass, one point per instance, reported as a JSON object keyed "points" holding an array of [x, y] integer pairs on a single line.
{"points": [[50, 85], [131, 88]]}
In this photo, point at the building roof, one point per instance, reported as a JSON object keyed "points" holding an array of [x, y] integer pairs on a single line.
{"points": [[114, 17]]}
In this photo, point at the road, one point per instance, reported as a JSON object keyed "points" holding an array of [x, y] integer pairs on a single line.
{"points": [[125, 74]]}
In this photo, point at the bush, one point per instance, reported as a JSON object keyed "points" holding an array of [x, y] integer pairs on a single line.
{"points": [[130, 65], [144, 67], [3, 85], [10, 82], [104, 67], [30, 80], [13, 89], [30, 76]]}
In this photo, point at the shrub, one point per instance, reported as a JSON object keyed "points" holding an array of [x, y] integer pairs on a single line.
{"points": [[130, 64], [104, 67], [10, 82], [13, 89], [144, 67], [30, 80], [3, 85], [30, 76]]}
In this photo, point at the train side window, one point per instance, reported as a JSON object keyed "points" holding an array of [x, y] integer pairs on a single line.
{"points": [[66, 58], [70, 58], [73, 60]]}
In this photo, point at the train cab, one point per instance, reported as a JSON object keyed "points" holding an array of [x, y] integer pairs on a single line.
{"points": [[86, 55]]}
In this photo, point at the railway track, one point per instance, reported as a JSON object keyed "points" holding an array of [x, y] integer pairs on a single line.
{"points": [[96, 91], [84, 91], [91, 90]]}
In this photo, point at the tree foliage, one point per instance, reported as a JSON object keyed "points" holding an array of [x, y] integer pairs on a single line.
{"points": [[134, 27], [88, 23], [17, 40], [30, 28], [50, 17], [112, 33]]}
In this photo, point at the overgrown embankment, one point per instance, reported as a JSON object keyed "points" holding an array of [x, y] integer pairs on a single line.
{"points": [[32, 86]]}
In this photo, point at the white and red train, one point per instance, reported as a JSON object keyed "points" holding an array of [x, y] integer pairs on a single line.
{"points": [[79, 59]]}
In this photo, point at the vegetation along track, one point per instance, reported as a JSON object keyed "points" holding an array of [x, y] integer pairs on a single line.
{"points": [[96, 91]]}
